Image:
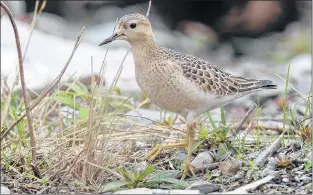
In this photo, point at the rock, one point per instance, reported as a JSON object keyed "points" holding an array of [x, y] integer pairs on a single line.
{"points": [[285, 180], [299, 173], [181, 156], [5, 190], [237, 177], [230, 167], [140, 145], [204, 187], [297, 179], [305, 179], [290, 190], [156, 191], [202, 159]]}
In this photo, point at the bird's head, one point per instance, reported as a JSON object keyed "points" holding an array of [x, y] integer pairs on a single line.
{"points": [[133, 28]]}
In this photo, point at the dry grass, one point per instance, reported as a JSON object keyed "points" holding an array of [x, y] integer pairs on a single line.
{"points": [[67, 148]]}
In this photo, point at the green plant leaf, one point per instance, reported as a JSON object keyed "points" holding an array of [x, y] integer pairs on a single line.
{"points": [[146, 173], [78, 89], [174, 181], [211, 120], [307, 166], [114, 185], [83, 112], [221, 151], [65, 98], [164, 174], [169, 177], [223, 116], [118, 90], [126, 174], [203, 133]]}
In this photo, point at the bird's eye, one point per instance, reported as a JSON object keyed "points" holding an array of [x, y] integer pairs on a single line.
{"points": [[133, 25]]}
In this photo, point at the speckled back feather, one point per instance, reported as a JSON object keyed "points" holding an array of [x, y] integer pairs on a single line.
{"points": [[212, 79]]}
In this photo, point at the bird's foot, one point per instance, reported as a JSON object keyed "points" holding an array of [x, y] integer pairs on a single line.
{"points": [[158, 149]]}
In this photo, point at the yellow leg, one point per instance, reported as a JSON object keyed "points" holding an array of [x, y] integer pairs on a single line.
{"points": [[191, 138], [158, 149]]}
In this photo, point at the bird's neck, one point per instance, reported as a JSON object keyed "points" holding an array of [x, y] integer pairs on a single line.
{"points": [[145, 48]]}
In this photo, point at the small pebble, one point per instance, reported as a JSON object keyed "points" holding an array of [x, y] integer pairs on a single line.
{"points": [[305, 179], [297, 179], [202, 159], [181, 156], [290, 190], [4, 190], [285, 180]]}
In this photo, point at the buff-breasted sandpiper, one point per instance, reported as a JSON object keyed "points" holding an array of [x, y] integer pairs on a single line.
{"points": [[177, 82]]}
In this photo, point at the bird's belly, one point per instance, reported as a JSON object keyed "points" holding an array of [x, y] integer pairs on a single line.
{"points": [[169, 92]]}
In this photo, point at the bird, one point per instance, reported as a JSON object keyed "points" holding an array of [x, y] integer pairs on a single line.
{"points": [[177, 82]]}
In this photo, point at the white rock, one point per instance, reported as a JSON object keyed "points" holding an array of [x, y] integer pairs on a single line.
{"points": [[4, 190]]}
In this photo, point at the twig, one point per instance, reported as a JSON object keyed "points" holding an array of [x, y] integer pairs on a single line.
{"points": [[35, 16], [268, 152], [251, 186], [67, 172], [89, 144], [267, 127], [251, 109], [59, 171], [148, 11], [22, 78], [106, 169], [36, 171], [51, 86]]}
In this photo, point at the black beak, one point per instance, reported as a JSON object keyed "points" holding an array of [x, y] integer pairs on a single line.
{"points": [[110, 39]]}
